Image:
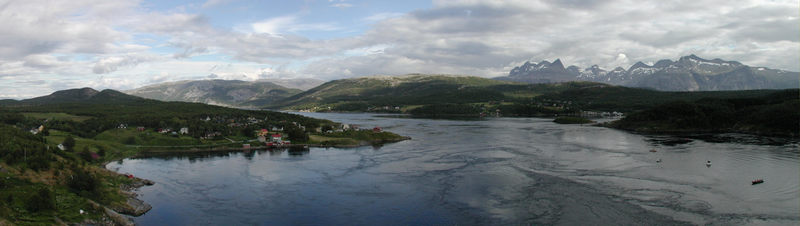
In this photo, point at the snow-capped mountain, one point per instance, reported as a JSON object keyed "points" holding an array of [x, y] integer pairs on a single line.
{"points": [[689, 73]]}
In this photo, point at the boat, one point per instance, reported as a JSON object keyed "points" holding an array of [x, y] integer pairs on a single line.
{"points": [[658, 160], [758, 181], [708, 164], [653, 150]]}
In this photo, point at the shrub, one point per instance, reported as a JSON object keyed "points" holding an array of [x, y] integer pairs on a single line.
{"points": [[42, 200]]}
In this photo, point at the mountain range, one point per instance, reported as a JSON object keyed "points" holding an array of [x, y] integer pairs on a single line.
{"points": [[688, 73], [220, 92]]}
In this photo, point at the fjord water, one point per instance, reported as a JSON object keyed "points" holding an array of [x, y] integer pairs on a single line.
{"points": [[496, 171]]}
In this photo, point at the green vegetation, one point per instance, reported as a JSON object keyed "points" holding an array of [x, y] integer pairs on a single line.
{"points": [[444, 96], [56, 116], [774, 114], [572, 120], [42, 184]]}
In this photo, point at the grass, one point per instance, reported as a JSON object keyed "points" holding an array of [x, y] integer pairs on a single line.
{"points": [[572, 120], [145, 138], [56, 116], [324, 140], [15, 193]]}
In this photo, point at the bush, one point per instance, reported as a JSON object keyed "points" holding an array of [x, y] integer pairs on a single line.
{"points": [[83, 182], [42, 200], [69, 143]]}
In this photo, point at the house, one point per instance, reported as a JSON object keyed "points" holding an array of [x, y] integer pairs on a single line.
{"points": [[276, 138], [377, 129], [262, 139], [62, 147], [184, 130], [34, 131], [245, 145], [277, 129], [345, 126], [140, 128], [263, 132], [122, 126]]}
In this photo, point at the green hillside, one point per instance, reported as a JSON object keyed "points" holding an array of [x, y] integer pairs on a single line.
{"points": [[41, 184], [357, 94], [773, 114], [443, 95]]}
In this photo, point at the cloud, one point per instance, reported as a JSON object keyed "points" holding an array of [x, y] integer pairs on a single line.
{"points": [[212, 3], [289, 24], [486, 38], [382, 16], [342, 5], [81, 26], [65, 41], [112, 63]]}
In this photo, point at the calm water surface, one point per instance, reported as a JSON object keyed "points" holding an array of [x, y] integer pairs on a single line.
{"points": [[497, 171]]}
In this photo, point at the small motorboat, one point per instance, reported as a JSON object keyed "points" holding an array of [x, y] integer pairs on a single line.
{"points": [[653, 150], [758, 181], [708, 163], [658, 160]]}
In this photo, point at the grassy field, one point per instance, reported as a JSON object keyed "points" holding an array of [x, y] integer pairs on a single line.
{"points": [[56, 116]]}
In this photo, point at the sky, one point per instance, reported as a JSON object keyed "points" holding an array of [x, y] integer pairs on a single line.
{"points": [[50, 45]]}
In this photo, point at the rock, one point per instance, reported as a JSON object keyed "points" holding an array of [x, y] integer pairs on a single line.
{"points": [[139, 207]]}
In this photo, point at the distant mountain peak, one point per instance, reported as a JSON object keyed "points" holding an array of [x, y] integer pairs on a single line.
{"points": [[688, 73], [638, 64]]}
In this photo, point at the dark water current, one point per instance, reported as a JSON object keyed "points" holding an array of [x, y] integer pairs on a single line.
{"points": [[498, 171]]}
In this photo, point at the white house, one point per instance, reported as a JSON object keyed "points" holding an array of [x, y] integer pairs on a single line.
{"points": [[61, 147], [184, 130]]}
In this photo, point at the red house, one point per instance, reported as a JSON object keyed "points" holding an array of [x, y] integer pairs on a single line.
{"points": [[377, 129], [276, 138]]}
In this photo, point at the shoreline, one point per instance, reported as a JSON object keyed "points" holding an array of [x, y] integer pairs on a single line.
{"points": [[136, 207], [285, 146]]}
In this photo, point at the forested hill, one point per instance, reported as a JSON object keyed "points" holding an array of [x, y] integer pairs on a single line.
{"points": [[358, 94], [108, 109], [775, 114], [469, 95]]}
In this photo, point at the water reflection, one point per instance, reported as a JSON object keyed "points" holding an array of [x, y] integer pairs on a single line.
{"points": [[496, 171], [211, 155]]}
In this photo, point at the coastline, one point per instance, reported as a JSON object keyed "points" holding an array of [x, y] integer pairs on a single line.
{"points": [[135, 207]]}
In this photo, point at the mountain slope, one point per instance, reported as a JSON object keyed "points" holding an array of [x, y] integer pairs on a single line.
{"points": [[81, 95], [396, 90], [295, 83], [689, 73], [217, 92]]}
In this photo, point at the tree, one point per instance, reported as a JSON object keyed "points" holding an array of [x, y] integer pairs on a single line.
{"points": [[296, 134], [69, 143], [42, 200], [83, 182], [85, 154]]}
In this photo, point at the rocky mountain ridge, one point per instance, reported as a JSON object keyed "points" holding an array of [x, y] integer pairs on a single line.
{"points": [[688, 73]]}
